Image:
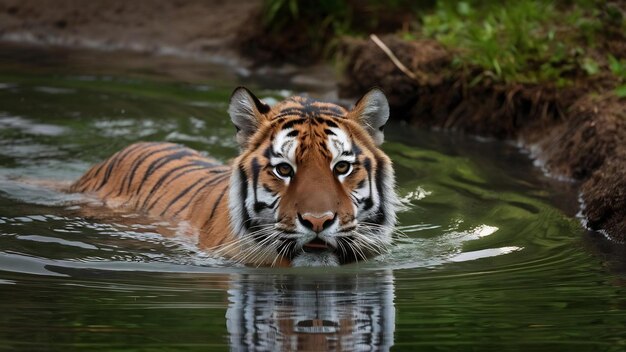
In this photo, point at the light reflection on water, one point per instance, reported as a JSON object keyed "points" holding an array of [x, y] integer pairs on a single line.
{"points": [[484, 259]]}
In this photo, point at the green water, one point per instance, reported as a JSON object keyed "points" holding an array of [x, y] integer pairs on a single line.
{"points": [[494, 260]]}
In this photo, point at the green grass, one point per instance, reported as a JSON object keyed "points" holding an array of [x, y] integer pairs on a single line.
{"points": [[618, 68], [518, 41]]}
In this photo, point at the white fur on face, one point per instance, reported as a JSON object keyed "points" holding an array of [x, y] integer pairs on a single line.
{"points": [[340, 146], [284, 148], [285, 145]]}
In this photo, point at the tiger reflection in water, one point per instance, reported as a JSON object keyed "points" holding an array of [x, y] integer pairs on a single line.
{"points": [[311, 313]]}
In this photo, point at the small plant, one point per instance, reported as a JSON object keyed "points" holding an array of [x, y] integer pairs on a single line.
{"points": [[618, 68]]}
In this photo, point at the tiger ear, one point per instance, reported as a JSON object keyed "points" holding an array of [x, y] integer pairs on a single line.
{"points": [[246, 112], [372, 113]]}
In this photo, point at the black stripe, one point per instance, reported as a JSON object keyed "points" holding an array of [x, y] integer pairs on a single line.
{"points": [[290, 124], [381, 192], [243, 194], [217, 202], [129, 151], [181, 194], [81, 184], [95, 171], [211, 182], [367, 164], [258, 206], [256, 169], [162, 179], [140, 160], [116, 159], [111, 163], [269, 152], [318, 120], [159, 163], [152, 192], [297, 111], [293, 133], [331, 123]]}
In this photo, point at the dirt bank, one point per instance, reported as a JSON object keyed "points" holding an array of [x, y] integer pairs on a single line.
{"points": [[577, 133], [195, 30], [175, 27]]}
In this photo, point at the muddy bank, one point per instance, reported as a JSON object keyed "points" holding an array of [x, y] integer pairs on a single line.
{"points": [[177, 27], [575, 133], [194, 30]]}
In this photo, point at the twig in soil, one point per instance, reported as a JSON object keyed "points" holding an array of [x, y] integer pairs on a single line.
{"points": [[395, 59]]}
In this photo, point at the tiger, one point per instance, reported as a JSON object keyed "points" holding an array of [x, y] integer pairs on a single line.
{"points": [[310, 186]]}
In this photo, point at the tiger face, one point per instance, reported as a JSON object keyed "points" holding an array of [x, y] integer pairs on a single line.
{"points": [[311, 185]]}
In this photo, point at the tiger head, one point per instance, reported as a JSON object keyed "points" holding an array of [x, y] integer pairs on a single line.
{"points": [[311, 187]]}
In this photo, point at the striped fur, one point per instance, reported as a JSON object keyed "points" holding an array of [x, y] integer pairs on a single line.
{"points": [[164, 180], [320, 213]]}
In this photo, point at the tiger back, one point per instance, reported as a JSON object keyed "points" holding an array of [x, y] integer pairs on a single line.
{"points": [[165, 180], [309, 188]]}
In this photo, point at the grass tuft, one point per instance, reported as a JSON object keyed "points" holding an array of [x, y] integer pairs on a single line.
{"points": [[518, 41]]}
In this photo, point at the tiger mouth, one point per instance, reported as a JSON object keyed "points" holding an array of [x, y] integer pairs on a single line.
{"points": [[317, 245]]}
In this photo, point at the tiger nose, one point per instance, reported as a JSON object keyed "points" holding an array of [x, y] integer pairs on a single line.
{"points": [[317, 222]]}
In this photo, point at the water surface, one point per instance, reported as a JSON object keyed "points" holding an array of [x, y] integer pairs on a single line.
{"points": [[494, 258]]}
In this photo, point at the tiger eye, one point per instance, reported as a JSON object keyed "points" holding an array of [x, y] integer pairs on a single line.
{"points": [[342, 168], [284, 170]]}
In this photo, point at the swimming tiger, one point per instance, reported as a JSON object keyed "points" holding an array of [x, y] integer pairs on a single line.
{"points": [[310, 187]]}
